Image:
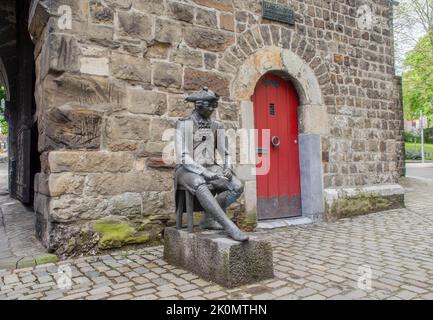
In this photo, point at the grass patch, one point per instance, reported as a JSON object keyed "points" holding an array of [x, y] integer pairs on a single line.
{"points": [[49, 258], [415, 149]]}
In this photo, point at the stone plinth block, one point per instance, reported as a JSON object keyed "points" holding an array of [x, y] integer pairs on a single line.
{"points": [[214, 257]]}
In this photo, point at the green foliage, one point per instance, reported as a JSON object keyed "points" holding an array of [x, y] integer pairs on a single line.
{"points": [[418, 79], [411, 137], [413, 151], [415, 137], [4, 128]]}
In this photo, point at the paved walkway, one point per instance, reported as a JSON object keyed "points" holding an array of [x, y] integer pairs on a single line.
{"points": [[321, 261], [420, 170], [18, 243]]}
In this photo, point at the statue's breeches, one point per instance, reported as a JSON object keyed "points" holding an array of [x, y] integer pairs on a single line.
{"points": [[192, 182]]}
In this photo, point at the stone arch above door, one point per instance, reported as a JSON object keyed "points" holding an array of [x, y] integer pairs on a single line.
{"points": [[313, 117], [275, 59]]}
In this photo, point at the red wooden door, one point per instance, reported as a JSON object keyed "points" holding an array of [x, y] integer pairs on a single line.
{"points": [[276, 108]]}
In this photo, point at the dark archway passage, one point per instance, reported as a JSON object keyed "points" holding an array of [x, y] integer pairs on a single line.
{"points": [[18, 242], [17, 75]]}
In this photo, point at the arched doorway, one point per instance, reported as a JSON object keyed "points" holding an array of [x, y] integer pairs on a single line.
{"points": [[312, 123], [276, 111], [17, 74]]}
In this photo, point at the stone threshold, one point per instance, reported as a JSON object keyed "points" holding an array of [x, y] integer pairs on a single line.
{"points": [[384, 190], [27, 262], [283, 223]]}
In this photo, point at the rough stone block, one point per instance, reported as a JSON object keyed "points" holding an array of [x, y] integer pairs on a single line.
{"points": [[349, 202], [81, 89], [130, 68], [61, 129], [87, 162], [64, 54], [70, 208], [313, 119], [130, 127], [95, 66], [181, 11], [167, 31], [206, 18], [196, 79], [167, 75], [100, 13], [208, 39], [131, 182], [227, 22], [58, 184], [187, 57], [135, 25], [146, 102], [158, 50], [216, 258], [159, 127], [223, 5], [149, 6], [177, 106], [210, 60]]}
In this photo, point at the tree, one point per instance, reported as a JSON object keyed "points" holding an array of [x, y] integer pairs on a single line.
{"points": [[412, 19], [418, 79], [4, 128]]}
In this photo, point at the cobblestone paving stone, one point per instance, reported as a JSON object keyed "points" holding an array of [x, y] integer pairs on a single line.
{"points": [[320, 261], [17, 228]]}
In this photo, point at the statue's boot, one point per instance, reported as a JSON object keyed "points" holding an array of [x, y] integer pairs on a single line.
{"points": [[212, 208], [208, 223], [225, 199]]}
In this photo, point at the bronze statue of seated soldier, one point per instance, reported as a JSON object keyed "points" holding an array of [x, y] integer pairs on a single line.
{"points": [[215, 186]]}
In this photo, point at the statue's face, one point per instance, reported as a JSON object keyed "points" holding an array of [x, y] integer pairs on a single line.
{"points": [[206, 108]]}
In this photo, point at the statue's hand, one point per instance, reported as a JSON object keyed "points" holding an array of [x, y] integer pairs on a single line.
{"points": [[209, 175], [228, 174]]}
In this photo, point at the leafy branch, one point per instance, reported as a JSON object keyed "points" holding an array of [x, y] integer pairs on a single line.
{"points": [[4, 128]]}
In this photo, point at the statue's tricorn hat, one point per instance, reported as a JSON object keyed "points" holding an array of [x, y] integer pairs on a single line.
{"points": [[203, 95]]}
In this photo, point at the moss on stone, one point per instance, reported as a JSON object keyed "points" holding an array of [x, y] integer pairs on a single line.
{"points": [[24, 263], [115, 234], [361, 204], [246, 221], [197, 217], [251, 218], [49, 258], [35, 261]]}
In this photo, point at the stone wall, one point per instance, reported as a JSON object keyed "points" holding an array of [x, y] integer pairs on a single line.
{"points": [[108, 88]]}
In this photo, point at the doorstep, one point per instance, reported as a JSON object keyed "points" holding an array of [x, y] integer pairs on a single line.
{"points": [[282, 223]]}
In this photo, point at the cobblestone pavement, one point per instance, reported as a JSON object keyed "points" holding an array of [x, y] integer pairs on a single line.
{"points": [[321, 261], [18, 242]]}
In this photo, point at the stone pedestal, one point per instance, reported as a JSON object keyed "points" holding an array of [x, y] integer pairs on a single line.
{"points": [[214, 257]]}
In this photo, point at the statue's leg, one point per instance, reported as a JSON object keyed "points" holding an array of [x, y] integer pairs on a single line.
{"points": [[212, 207], [225, 198], [208, 223], [228, 197]]}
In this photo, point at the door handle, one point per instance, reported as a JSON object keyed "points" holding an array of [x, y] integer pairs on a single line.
{"points": [[276, 141]]}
